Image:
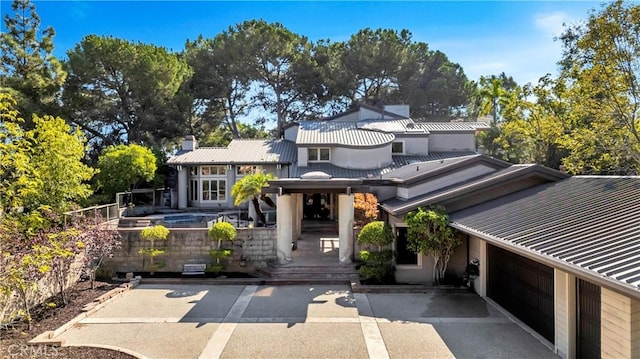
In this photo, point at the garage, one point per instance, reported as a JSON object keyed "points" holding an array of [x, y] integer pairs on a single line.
{"points": [[588, 320], [523, 287]]}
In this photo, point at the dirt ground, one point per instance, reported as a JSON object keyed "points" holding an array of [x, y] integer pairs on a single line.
{"points": [[13, 340]]}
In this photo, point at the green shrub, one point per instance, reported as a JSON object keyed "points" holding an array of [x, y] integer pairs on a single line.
{"points": [[222, 231], [153, 234], [377, 233]]}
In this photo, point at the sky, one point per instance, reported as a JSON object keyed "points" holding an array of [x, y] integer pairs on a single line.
{"points": [[485, 37]]}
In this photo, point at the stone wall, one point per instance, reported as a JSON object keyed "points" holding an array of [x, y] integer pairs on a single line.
{"points": [[192, 245]]}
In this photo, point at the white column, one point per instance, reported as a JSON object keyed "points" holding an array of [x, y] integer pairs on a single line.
{"points": [[345, 228], [297, 216], [564, 294], [284, 227], [480, 283], [182, 188]]}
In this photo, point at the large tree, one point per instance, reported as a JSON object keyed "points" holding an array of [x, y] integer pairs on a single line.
{"points": [[124, 92], [123, 167], [223, 68], [42, 166], [535, 121], [285, 74], [371, 61], [601, 62], [29, 70]]}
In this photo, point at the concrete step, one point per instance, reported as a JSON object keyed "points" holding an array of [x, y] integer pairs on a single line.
{"points": [[310, 273]]}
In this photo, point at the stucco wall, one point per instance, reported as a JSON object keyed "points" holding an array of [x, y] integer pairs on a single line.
{"points": [[361, 158], [191, 245], [620, 325], [291, 133], [303, 156], [452, 142], [414, 145], [444, 181]]}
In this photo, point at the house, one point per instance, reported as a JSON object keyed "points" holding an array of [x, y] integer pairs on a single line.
{"points": [[319, 165], [560, 253]]}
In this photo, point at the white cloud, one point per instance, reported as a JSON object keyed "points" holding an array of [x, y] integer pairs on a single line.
{"points": [[551, 24]]}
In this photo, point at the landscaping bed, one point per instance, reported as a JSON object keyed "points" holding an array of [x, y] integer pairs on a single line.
{"points": [[49, 316]]}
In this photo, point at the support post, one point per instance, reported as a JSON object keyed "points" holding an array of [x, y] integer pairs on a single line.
{"points": [[345, 228], [182, 188], [284, 230]]}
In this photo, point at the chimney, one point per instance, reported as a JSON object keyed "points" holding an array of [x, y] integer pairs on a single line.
{"points": [[402, 110], [189, 143]]}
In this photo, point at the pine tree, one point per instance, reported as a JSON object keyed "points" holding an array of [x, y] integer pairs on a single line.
{"points": [[29, 71]]}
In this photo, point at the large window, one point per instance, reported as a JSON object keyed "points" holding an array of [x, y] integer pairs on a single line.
{"points": [[397, 147], [404, 256], [192, 190], [319, 154], [213, 170], [214, 190], [247, 170]]}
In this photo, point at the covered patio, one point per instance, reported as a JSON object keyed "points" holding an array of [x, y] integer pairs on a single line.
{"points": [[289, 193]]}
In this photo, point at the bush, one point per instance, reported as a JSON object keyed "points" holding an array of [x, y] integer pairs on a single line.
{"points": [[378, 265], [222, 231]]}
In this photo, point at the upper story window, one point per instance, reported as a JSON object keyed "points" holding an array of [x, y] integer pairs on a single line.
{"points": [[397, 147], [213, 170], [247, 170], [319, 154]]}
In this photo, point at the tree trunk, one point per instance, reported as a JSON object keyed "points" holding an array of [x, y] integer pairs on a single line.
{"points": [[256, 206]]}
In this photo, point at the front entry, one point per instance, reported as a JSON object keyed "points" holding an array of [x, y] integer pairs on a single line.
{"points": [[293, 207]]}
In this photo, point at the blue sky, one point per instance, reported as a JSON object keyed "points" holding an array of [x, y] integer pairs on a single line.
{"points": [[485, 37]]}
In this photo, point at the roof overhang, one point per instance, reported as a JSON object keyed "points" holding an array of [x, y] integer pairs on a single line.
{"points": [[578, 271], [333, 185]]}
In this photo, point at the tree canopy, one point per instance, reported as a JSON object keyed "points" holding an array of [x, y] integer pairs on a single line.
{"points": [[122, 167], [41, 166], [122, 92], [601, 62], [29, 71]]}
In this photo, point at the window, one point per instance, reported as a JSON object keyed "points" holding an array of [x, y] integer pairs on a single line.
{"points": [[397, 147], [319, 154], [192, 190], [193, 171], [247, 170], [404, 256], [214, 190], [213, 170]]}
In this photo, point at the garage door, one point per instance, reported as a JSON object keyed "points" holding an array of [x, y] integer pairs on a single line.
{"points": [[588, 320], [523, 287]]}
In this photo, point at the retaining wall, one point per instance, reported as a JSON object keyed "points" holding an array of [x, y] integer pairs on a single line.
{"points": [[192, 245]]}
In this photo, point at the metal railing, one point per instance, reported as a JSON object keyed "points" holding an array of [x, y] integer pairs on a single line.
{"points": [[106, 212]]}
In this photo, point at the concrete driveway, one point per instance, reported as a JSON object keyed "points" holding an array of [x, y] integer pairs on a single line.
{"points": [[302, 321]]}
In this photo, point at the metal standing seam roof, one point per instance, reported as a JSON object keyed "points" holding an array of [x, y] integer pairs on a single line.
{"points": [[398, 161], [592, 223], [452, 126], [339, 133], [401, 206], [401, 125], [241, 151]]}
